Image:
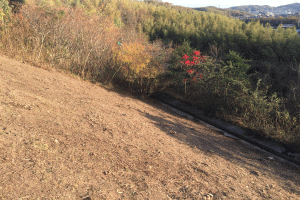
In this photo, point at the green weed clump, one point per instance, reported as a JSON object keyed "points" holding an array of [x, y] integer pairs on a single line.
{"points": [[225, 90]]}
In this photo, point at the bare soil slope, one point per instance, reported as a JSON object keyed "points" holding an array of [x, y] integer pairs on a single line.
{"points": [[65, 138]]}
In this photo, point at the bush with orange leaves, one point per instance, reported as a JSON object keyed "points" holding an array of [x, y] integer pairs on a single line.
{"points": [[136, 60], [132, 59], [140, 63]]}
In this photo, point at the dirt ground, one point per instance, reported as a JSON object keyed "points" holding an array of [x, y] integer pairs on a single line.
{"points": [[65, 138]]}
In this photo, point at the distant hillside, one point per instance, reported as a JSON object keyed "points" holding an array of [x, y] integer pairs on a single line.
{"points": [[286, 9], [227, 12]]}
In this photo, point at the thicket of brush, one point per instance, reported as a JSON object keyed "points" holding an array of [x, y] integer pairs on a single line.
{"points": [[250, 75]]}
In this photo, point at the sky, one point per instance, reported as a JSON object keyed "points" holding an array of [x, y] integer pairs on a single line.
{"points": [[229, 3]]}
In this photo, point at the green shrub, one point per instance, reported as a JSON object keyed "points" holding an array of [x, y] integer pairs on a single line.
{"points": [[5, 12], [225, 91]]}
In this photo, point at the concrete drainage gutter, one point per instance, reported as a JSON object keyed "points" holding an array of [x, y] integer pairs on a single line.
{"points": [[229, 129]]}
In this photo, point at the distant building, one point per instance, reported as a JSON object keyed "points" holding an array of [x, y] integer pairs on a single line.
{"points": [[270, 14], [288, 12], [288, 25]]}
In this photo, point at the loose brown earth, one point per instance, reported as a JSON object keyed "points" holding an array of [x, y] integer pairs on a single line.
{"points": [[65, 138]]}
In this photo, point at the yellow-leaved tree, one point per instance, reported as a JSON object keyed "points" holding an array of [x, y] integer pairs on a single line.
{"points": [[139, 63], [132, 59]]}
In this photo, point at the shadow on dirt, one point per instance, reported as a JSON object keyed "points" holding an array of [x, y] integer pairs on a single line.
{"points": [[210, 141]]}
